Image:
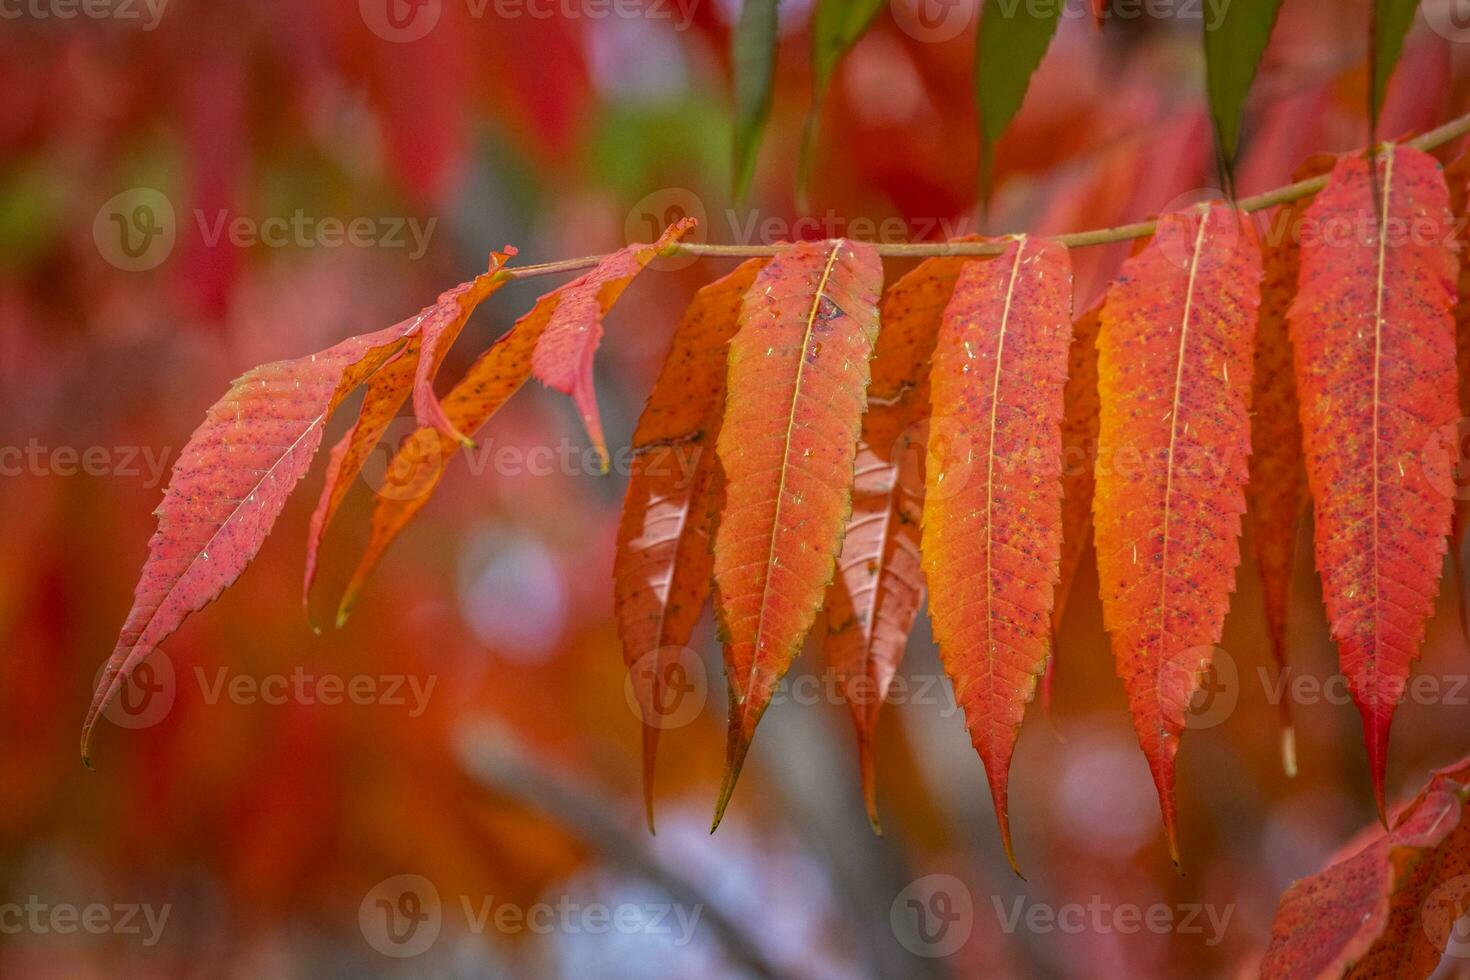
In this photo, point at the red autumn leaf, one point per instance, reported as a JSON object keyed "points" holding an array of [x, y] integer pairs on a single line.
{"points": [[1276, 494], [1457, 176], [1079, 444], [797, 381], [228, 487], [661, 572], [563, 358], [992, 528], [422, 458], [875, 597], [1375, 367], [1174, 374], [432, 330], [1389, 907]]}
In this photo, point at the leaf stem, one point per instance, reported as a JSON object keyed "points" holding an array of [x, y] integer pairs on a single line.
{"points": [[1438, 136]]}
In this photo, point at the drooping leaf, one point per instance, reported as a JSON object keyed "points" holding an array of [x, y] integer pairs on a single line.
{"points": [[875, 597], [1374, 345], [1009, 45], [434, 330], [227, 488], [1390, 22], [575, 310], [1457, 176], [1276, 494], [836, 27], [1235, 39], [797, 389], [563, 358], [1079, 446], [753, 55], [1388, 907], [662, 568], [1174, 375], [992, 528]]}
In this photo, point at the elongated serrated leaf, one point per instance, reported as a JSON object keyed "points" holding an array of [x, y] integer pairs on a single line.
{"points": [[1457, 176], [1009, 45], [875, 597], [661, 572], [836, 27], [794, 404], [1390, 906], [563, 358], [1079, 447], [411, 370], [1276, 495], [1391, 20], [1374, 345], [753, 54], [1235, 38], [992, 528], [575, 311], [227, 488], [1174, 376]]}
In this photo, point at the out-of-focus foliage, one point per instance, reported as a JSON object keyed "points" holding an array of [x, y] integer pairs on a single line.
{"points": [[266, 826]]}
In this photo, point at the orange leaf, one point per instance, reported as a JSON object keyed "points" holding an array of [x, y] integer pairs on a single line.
{"points": [[798, 373], [1174, 375], [435, 328], [875, 596], [661, 572], [1276, 494], [992, 527], [563, 358], [422, 458], [227, 488], [1374, 343], [1389, 908]]}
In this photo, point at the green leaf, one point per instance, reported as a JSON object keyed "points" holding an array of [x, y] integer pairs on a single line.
{"points": [[1235, 39], [1010, 43], [836, 27], [1391, 20], [753, 52]]}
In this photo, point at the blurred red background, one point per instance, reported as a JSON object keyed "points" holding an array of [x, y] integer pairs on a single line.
{"points": [[511, 777]]}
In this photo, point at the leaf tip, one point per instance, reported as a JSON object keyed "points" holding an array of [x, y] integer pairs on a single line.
{"points": [[868, 771], [736, 761], [1288, 751]]}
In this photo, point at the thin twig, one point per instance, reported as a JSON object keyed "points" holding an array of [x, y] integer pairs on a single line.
{"points": [[494, 760], [1439, 136]]}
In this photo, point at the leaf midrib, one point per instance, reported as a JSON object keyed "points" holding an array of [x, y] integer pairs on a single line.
{"points": [[811, 320]]}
